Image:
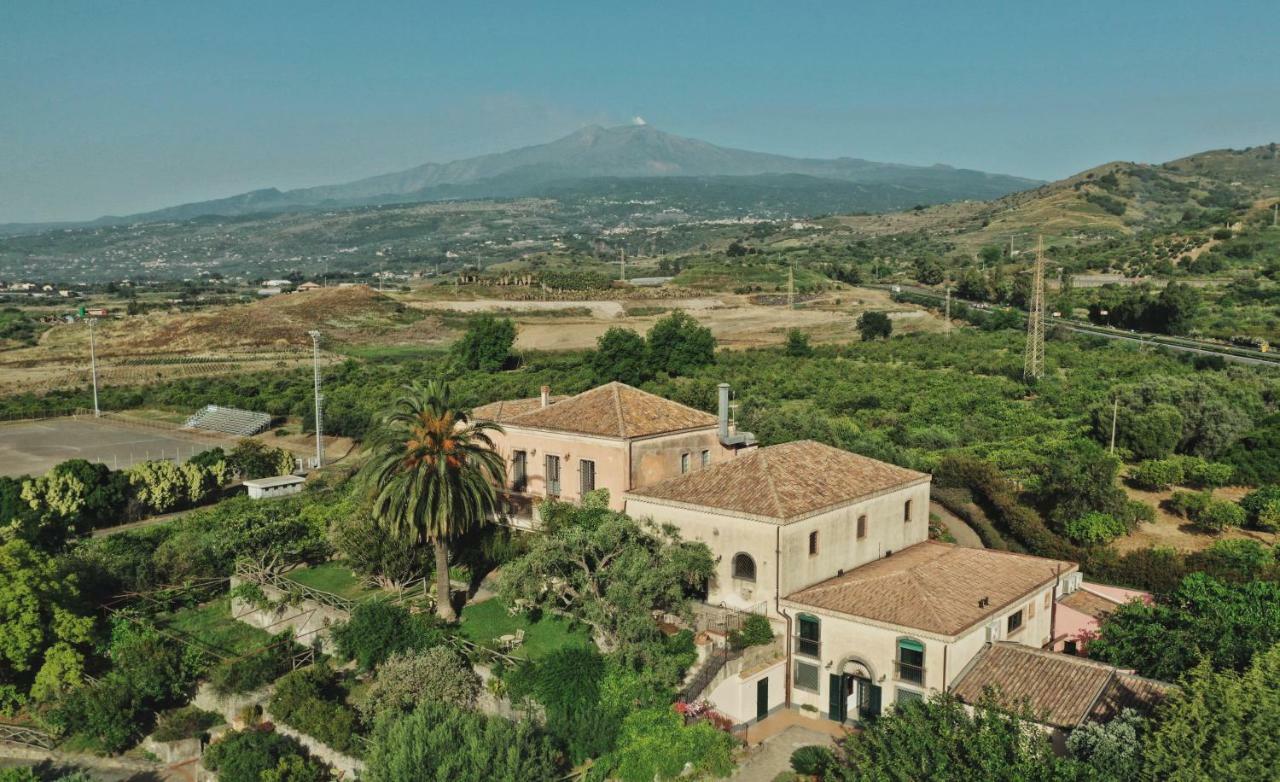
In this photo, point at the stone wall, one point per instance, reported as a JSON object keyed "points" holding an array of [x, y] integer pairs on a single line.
{"points": [[310, 620]]}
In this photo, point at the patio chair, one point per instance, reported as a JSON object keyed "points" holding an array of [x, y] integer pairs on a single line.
{"points": [[516, 641]]}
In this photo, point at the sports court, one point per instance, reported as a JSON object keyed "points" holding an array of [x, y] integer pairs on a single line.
{"points": [[32, 447]]}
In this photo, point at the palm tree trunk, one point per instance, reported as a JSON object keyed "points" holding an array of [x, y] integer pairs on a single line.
{"points": [[444, 596]]}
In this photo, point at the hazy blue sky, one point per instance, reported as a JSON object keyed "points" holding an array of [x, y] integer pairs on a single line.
{"points": [[117, 107]]}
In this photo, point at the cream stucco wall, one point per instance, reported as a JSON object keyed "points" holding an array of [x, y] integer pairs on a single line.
{"points": [[735, 697], [845, 639], [609, 455], [655, 459], [838, 546]]}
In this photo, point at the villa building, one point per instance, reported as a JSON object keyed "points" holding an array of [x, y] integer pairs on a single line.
{"points": [[612, 437], [832, 547]]}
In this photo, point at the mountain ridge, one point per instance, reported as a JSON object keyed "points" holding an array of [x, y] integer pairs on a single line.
{"points": [[620, 152]]}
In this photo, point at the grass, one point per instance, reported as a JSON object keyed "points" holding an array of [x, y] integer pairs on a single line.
{"points": [[483, 623], [333, 577], [212, 625]]}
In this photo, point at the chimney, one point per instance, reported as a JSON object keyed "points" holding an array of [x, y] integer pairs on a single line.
{"points": [[737, 439], [724, 412], [546, 395]]}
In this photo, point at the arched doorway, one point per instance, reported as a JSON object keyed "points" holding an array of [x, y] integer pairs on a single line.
{"points": [[855, 696]]}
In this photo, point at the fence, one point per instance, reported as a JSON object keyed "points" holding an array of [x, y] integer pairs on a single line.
{"points": [[26, 736]]}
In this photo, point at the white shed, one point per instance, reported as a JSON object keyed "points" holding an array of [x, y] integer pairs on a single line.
{"points": [[275, 486]]}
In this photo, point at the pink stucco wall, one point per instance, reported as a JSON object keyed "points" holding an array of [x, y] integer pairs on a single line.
{"points": [[1073, 625]]}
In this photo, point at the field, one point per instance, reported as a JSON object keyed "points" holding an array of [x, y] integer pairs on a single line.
{"points": [[32, 447]]}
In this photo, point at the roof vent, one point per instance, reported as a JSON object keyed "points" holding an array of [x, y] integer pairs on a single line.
{"points": [[984, 602], [736, 439]]}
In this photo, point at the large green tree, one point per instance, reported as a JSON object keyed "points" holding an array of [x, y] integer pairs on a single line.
{"points": [[1220, 725], [487, 343], [874, 325], [679, 345], [1203, 619], [434, 474], [44, 627], [610, 571], [621, 355]]}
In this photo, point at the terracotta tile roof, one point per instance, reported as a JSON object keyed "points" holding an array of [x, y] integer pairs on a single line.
{"points": [[614, 410], [1090, 604], [501, 412], [1129, 691], [783, 483], [934, 587], [1061, 690]]}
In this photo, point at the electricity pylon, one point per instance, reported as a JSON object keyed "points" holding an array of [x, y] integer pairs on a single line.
{"points": [[1033, 367]]}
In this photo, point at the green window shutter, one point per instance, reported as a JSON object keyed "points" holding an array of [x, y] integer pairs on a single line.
{"points": [[835, 698], [915, 646], [873, 708]]}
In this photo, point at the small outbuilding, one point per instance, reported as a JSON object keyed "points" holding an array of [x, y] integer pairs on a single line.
{"points": [[275, 486]]}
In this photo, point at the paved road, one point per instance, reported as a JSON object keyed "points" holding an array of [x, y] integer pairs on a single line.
{"points": [[962, 532]]}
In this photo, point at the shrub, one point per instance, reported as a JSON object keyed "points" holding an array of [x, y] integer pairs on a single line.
{"points": [[1136, 512], [250, 673], [1209, 475], [1188, 504], [377, 629], [1220, 514], [244, 756], [1263, 507], [1094, 529], [656, 744], [1157, 474], [407, 679], [311, 700], [439, 741], [813, 760], [184, 723], [107, 711], [756, 631]]}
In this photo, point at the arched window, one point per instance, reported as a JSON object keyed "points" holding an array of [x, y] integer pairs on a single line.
{"points": [[744, 567]]}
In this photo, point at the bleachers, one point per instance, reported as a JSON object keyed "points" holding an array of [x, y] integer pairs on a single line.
{"points": [[229, 420]]}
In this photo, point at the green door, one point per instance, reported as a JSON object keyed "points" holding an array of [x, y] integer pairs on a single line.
{"points": [[762, 698], [835, 698]]}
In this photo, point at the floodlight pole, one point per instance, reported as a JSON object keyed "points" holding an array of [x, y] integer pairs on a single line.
{"points": [[93, 369], [315, 360]]}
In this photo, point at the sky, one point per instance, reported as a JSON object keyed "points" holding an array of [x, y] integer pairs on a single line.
{"points": [[121, 107]]}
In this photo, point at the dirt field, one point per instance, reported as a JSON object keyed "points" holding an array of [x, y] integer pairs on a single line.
{"points": [[32, 447], [735, 320], [1175, 532]]}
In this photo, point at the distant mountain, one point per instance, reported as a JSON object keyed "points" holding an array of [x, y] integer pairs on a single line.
{"points": [[631, 152]]}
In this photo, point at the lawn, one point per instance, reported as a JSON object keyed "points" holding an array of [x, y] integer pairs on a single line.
{"points": [[332, 577], [212, 625], [483, 623]]}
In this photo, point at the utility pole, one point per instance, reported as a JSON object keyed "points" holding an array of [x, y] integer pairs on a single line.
{"points": [[1275, 214], [315, 360], [1115, 410], [93, 369], [791, 286], [948, 311], [1033, 366], [622, 263]]}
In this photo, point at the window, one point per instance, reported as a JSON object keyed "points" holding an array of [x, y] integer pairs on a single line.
{"points": [[806, 676], [903, 695], [862, 526], [813, 543], [1015, 621], [706, 458], [744, 567], [519, 470], [684, 463], [553, 475], [809, 635], [1071, 647], [911, 661], [906, 511], [587, 476]]}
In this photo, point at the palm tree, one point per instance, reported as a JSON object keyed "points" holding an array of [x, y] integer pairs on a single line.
{"points": [[434, 475]]}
